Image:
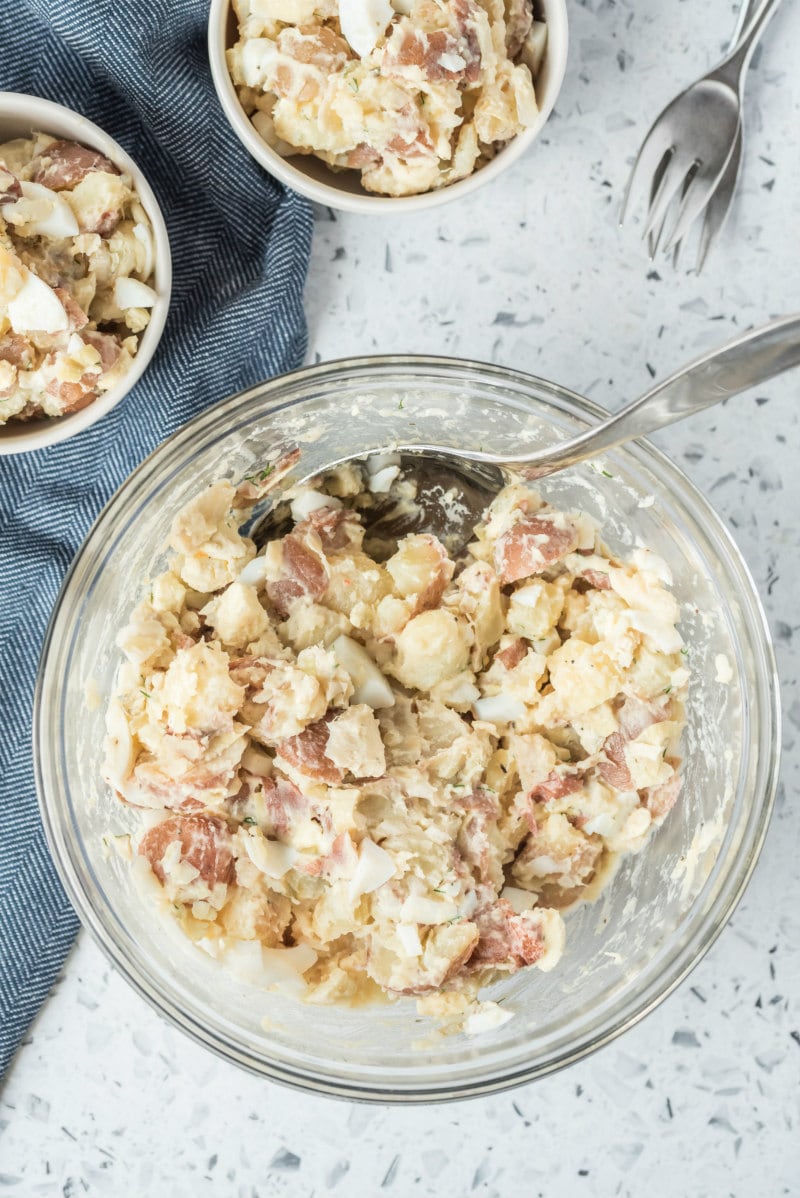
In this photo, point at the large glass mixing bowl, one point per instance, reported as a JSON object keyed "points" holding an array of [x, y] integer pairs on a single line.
{"points": [[625, 951]]}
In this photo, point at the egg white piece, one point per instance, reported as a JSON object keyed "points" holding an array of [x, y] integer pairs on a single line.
{"points": [[363, 22], [36, 308], [59, 222], [131, 293]]}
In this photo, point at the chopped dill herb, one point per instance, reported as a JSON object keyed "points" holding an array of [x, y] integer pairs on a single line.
{"points": [[260, 475]]}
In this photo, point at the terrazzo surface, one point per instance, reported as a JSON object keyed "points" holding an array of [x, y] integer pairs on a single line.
{"points": [[701, 1098]]}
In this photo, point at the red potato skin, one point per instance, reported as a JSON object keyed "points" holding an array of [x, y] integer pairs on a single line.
{"points": [[556, 786], [205, 844], [505, 939], [303, 575], [306, 752], [531, 545], [65, 163]]}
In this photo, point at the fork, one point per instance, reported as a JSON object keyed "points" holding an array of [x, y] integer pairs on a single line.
{"points": [[694, 146], [718, 206]]}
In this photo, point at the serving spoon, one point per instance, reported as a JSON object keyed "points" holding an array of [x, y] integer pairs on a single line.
{"points": [[453, 488]]}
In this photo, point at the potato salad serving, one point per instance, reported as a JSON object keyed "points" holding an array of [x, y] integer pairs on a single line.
{"points": [[389, 775], [76, 267], [412, 94]]}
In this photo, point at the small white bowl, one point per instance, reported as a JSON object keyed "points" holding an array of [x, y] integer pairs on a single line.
{"points": [[21, 115], [342, 189]]}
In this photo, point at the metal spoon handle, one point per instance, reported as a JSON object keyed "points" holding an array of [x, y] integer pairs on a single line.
{"points": [[746, 362]]}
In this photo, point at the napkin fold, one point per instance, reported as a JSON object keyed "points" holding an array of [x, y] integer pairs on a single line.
{"points": [[240, 245]]}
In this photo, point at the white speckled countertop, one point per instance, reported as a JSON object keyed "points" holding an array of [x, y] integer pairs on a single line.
{"points": [[700, 1099]]}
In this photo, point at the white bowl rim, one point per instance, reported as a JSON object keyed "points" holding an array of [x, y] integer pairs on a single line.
{"points": [[34, 112], [332, 196]]}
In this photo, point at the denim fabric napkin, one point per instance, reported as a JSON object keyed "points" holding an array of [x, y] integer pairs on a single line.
{"points": [[240, 245]]}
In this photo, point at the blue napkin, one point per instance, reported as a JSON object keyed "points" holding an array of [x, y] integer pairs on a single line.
{"points": [[240, 245]]}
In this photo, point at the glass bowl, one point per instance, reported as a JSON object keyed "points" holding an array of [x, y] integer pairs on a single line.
{"points": [[626, 951]]}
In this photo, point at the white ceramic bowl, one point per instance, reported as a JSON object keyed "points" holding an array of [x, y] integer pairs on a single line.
{"points": [[21, 115], [342, 189]]}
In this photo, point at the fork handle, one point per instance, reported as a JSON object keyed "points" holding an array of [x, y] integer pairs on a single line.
{"points": [[747, 10], [756, 16]]}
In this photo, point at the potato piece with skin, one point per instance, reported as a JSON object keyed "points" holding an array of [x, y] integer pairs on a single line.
{"points": [[421, 568], [534, 544], [594, 727], [204, 843], [432, 647], [98, 202], [534, 756], [558, 854], [62, 165]]}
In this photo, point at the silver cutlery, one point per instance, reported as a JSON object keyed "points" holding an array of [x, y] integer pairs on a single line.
{"points": [[690, 158], [476, 477]]}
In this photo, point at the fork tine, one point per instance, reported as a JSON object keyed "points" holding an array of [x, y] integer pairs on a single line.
{"points": [[653, 239], [654, 242], [674, 177], [696, 199], [648, 161], [678, 247], [676, 253], [719, 205]]}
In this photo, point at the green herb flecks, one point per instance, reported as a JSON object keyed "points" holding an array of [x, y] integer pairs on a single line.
{"points": [[260, 476]]}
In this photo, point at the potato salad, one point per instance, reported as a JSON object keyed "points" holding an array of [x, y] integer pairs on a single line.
{"points": [[76, 267], [389, 775], [411, 94]]}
